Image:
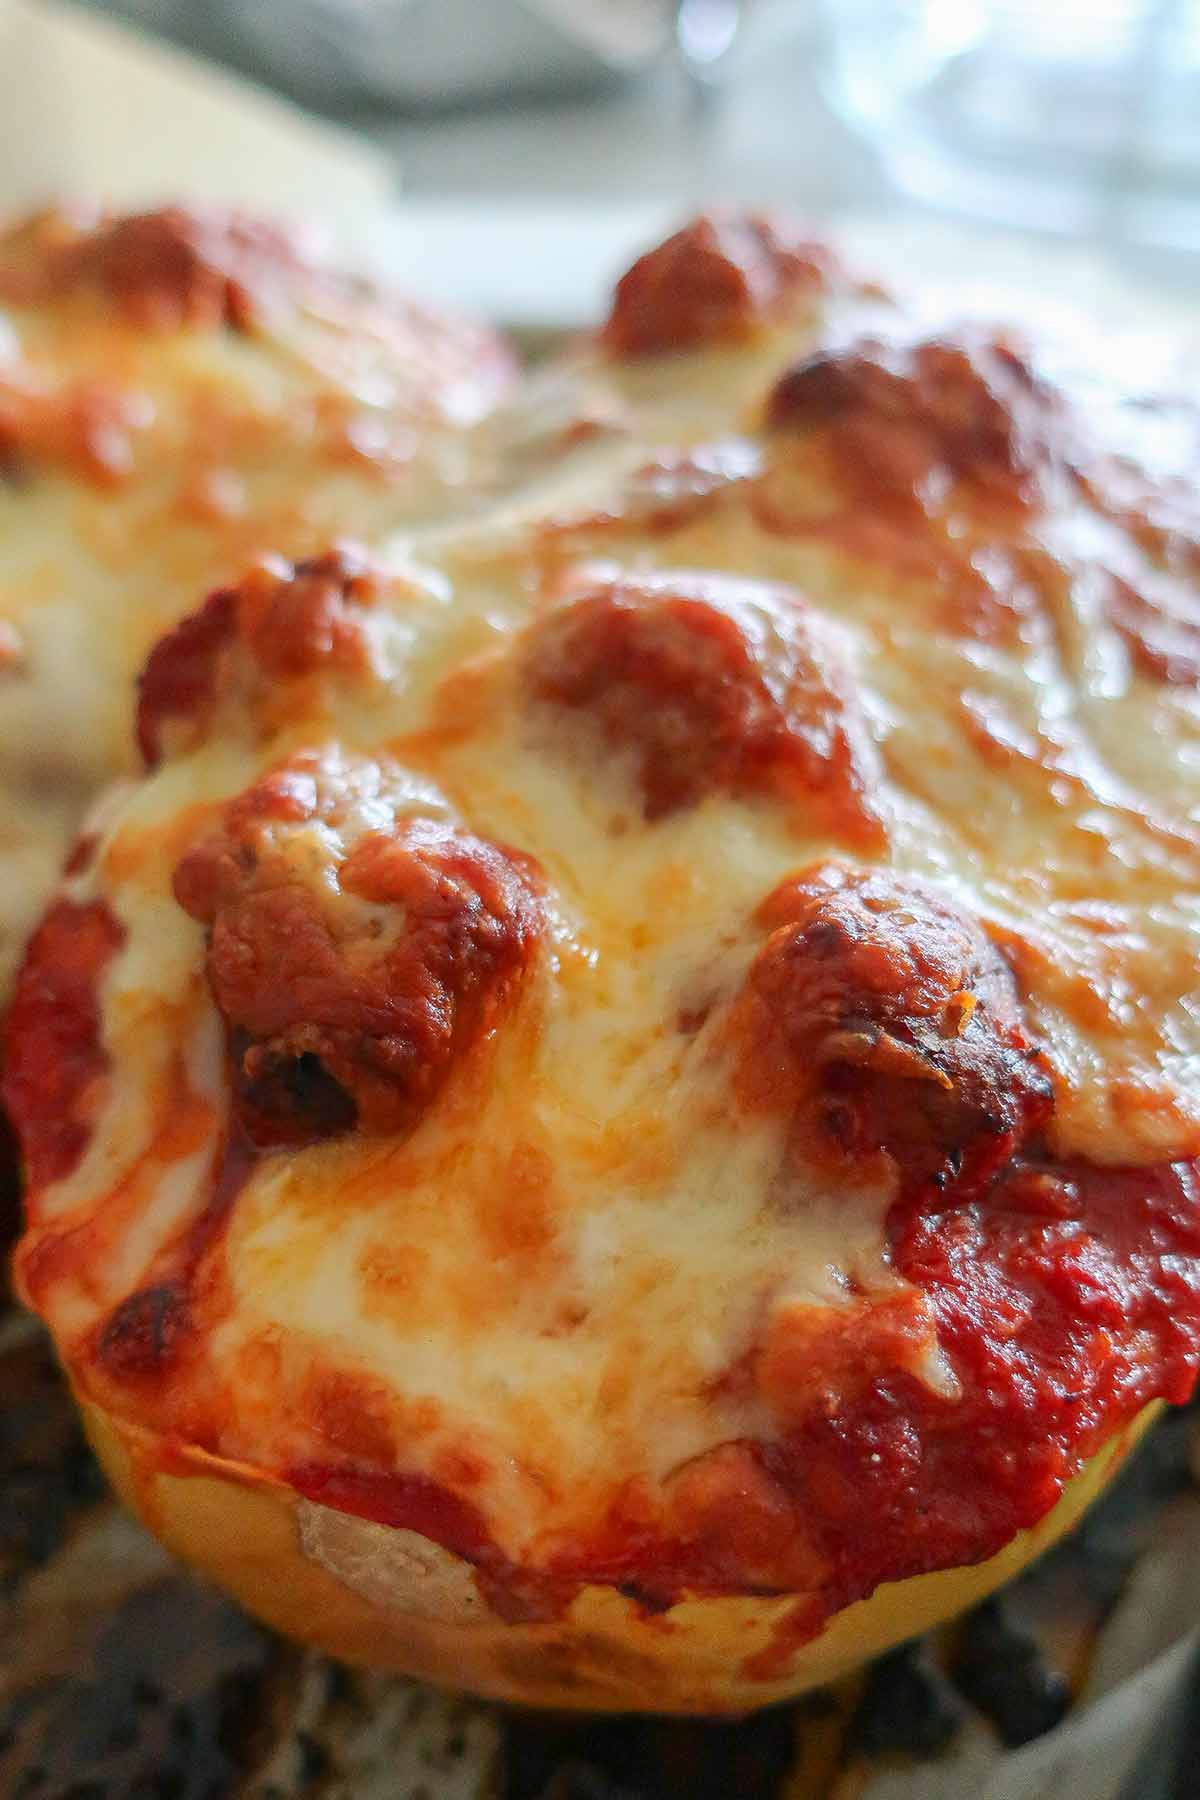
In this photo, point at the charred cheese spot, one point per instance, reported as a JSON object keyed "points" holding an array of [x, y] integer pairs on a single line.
{"points": [[716, 685], [910, 420], [883, 1016], [356, 949], [144, 1334], [56, 1061], [281, 622], [718, 279]]}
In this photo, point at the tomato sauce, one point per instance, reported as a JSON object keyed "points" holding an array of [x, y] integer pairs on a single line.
{"points": [[181, 266], [715, 281], [713, 683], [286, 621], [56, 1060]]}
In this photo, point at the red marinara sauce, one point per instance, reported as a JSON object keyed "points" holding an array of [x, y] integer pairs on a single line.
{"points": [[717, 280], [712, 682], [55, 1059], [281, 622], [1065, 1296], [165, 270]]}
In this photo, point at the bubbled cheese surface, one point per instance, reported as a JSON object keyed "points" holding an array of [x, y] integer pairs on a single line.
{"points": [[543, 1292]]}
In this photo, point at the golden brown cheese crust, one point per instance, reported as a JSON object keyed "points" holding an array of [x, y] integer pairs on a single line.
{"points": [[653, 1048], [161, 271], [720, 278]]}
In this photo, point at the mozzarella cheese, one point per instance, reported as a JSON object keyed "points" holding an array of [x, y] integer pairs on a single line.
{"points": [[580, 1267]]}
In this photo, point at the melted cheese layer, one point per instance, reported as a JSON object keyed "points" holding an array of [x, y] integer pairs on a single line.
{"points": [[546, 1291]]}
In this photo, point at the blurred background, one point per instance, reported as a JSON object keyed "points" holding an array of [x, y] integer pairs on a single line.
{"points": [[1064, 117]]}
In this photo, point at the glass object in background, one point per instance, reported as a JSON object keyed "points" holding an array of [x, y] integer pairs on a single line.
{"points": [[1078, 116], [706, 34], [421, 53], [416, 54]]}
